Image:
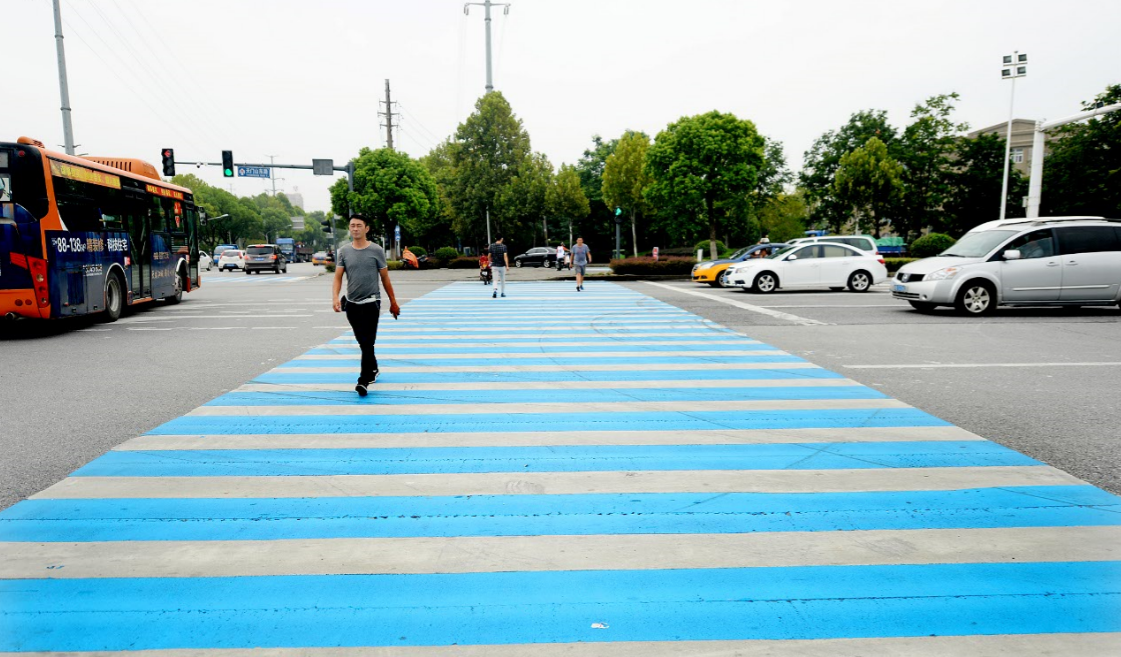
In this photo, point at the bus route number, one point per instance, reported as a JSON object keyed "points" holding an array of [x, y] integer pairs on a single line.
{"points": [[69, 244]]}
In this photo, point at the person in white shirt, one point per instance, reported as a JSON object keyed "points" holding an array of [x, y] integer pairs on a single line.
{"points": [[560, 256]]}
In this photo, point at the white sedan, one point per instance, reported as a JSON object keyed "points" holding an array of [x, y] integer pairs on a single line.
{"points": [[834, 266]]}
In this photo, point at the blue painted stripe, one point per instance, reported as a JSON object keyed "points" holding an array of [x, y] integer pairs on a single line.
{"points": [[550, 422], [596, 339], [390, 376], [553, 515], [534, 349], [559, 361], [566, 458], [379, 397], [546, 607]]}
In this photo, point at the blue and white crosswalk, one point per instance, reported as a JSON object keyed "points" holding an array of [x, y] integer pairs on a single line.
{"points": [[258, 279], [561, 473]]}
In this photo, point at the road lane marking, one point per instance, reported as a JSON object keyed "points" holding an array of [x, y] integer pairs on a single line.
{"points": [[803, 321], [929, 366]]}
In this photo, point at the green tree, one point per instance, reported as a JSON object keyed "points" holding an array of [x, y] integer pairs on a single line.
{"points": [[243, 224], [869, 182], [440, 165], [390, 188], [700, 165], [565, 197], [491, 147], [783, 218], [824, 157], [600, 223], [1082, 172], [975, 182], [523, 204], [927, 151], [625, 179]]}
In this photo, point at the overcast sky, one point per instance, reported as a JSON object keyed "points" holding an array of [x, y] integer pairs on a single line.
{"points": [[302, 79]]}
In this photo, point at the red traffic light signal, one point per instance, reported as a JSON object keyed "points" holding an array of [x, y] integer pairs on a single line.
{"points": [[168, 161]]}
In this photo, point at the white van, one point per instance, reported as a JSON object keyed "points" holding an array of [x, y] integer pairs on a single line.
{"points": [[1067, 261]]}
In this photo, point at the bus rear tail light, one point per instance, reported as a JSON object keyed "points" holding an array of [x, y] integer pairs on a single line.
{"points": [[38, 268]]}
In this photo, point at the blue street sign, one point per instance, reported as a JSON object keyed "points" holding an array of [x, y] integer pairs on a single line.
{"points": [[396, 233], [254, 172]]}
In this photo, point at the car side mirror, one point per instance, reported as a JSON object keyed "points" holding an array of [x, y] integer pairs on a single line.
{"points": [[791, 258], [1012, 254]]}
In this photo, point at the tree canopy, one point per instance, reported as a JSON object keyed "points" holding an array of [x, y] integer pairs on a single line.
{"points": [[390, 189]]}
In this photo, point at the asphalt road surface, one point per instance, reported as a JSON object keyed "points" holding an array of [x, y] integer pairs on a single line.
{"points": [[1042, 381]]}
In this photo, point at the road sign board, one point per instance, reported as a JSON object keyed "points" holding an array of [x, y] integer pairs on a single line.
{"points": [[254, 172], [323, 167]]}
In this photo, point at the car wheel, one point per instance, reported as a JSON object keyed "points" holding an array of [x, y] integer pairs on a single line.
{"points": [[976, 298], [114, 298], [860, 281], [765, 283], [922, 306], [722, 279], [247, 272], [518, 264]]}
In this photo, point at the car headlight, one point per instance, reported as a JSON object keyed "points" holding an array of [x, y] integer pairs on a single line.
{"points": [[942, 274]]}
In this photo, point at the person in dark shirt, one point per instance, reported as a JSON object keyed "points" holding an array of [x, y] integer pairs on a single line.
{"points": [[499, 261]]}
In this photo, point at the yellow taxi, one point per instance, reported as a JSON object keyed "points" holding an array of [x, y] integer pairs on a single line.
{"points": [[714, 272]]}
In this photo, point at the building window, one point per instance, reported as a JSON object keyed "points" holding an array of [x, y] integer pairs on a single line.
{"points": [[1018, 155]]}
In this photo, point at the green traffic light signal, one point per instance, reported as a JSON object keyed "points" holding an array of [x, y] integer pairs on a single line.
{"points": [[228, 164]]}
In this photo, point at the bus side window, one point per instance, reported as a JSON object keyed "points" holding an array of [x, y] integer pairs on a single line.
{"points": [[157, 221]]}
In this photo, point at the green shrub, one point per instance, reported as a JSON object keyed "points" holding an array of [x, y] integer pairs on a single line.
{"points": [[418, 251], [329, 267], [395, 264], [930, 245], [720, 248], [446, 254], [464, 262], [667, 266], [893, 264]]}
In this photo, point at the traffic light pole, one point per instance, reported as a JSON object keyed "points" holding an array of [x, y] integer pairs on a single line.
{"points": [[348, 169]]}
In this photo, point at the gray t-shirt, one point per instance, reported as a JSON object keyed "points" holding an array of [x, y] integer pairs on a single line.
{"points": [[363, 271], [580, 254]]}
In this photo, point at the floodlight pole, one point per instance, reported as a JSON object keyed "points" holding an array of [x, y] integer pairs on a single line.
{"points": [[486, 6], [1008, 140], [67, 127], [1038, 146]]}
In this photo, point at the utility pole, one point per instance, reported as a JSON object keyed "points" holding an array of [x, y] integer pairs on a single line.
{"points": [[388, 114], [67, 128], [486, 6], [272, 173]]}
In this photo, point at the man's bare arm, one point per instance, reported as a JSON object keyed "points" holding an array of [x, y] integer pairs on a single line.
{"points": [[394, 309], [336, 288]]}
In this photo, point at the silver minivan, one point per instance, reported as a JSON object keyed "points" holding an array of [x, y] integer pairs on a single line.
{"points": [[1067, 261]]}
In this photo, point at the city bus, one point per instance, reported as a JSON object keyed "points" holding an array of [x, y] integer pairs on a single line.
{"points": [[86, 235]]}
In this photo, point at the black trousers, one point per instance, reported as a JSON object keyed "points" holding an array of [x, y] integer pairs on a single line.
{"points": [[363, 320]]}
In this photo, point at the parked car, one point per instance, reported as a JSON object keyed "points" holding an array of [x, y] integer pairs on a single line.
{"points": [[265, 257], [862, 242], [231, 259], [205, 261], [834, 266], [540, 256], [715, 272], [1066, 261]]}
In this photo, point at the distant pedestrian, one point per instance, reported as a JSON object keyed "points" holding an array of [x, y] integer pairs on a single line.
{"points": [[364, 264], [499, 261], [581, 256], [560, 256]]}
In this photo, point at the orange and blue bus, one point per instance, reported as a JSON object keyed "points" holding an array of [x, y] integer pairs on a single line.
{"points": [[86, 235]]}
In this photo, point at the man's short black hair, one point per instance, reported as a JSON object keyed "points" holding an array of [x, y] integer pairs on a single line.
{"points": [[359, 218], [498, 239]]}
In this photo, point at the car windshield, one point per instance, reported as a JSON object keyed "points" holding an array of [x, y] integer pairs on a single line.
{"points": [[977, 245], [742, 252], [781, 252]]}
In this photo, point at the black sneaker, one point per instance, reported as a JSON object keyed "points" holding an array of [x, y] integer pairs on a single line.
{"points": [[375, 379], [503, 295], [495, 295], [360, 389]]}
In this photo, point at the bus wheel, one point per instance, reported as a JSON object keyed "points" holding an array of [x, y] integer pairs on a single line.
{"points": [[114, 298], [177, 296]]}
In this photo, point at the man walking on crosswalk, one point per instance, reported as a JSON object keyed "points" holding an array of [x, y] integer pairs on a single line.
{"points": [[364, 264], [499, 261]]}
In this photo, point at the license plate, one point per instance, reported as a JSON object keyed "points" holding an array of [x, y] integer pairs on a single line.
{"points": [[899, 288]]}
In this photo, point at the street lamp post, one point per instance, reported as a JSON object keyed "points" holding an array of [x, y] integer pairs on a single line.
{"points": [[1014, 66]]}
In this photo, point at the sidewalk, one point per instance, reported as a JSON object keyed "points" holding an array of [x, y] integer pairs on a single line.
{"points": [[562, 473]]}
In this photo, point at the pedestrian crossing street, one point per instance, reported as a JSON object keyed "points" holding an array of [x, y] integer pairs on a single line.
{"points": [[561, 473], [234, 278]]}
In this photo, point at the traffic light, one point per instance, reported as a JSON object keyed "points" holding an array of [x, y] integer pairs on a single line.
{"points": [[228, 164], [618, 215], [168, 162], [326, 225]]}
